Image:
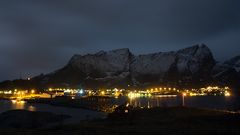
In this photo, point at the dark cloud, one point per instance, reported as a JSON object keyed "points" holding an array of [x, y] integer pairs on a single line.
{"points": [[40, 36]]}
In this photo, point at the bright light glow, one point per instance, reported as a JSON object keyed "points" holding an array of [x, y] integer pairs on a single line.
{"points": [[132, 95], [193, 94], [227, 94], [18, 101], [14, 101], [32, 91], [81, 91], [22, 102], [166, 96], [102, 93], [67, 91]]}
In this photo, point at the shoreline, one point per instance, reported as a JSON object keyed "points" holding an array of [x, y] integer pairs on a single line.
{"points": [[67, 106], [93, 105], [170, 120]]}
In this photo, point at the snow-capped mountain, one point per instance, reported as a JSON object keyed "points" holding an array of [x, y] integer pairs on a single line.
{"points": [[190, 67], [121, 68], [107, 63], [234, 63], [191, 64]]}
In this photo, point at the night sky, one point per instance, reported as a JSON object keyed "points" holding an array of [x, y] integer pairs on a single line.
{"points": [[39, 36]]}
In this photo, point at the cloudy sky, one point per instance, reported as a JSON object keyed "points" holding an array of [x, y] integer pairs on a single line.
{"points": [[39, 36]]}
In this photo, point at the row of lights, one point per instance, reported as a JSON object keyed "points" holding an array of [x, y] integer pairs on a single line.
{"points": [[10, 92]]}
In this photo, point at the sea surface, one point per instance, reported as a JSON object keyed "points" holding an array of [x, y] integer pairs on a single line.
{"points": [[208, 102], [77, 114]]}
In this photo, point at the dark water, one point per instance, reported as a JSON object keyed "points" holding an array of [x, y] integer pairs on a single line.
{"points": [[212, 102], [77, 114]]}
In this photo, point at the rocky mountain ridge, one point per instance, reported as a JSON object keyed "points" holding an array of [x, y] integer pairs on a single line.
{"points": [[121, 68], [190, 67]]}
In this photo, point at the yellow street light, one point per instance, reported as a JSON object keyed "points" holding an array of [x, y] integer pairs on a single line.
{"points": [[32, 91]]}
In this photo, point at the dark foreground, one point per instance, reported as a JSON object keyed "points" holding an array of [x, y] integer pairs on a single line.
{"points": [[170, 121]]}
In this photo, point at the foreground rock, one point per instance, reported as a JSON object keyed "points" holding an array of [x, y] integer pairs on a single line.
{"points": [[28, 119]]}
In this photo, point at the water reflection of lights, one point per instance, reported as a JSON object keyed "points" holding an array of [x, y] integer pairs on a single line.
{"points": [[31, 108], [227, 94], [133, 95], [14, 101], [165, 96], [18, 104], [148, 100]]}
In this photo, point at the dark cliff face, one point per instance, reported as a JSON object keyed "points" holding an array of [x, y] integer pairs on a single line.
{"points": [[103, 69], [120, 68], [228, 73], [190, 65]]}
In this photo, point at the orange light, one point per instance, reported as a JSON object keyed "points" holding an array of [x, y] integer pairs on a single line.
{"points": [[32, 91]]}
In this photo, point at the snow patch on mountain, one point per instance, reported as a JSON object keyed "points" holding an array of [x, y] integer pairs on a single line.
{"points": [[157, 63], [122, 65], [105, 62]]}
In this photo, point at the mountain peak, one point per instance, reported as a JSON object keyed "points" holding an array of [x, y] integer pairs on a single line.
{"points": [[120, 67], [196, 50], [121, 50], [203, 46], [235, 61]]}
